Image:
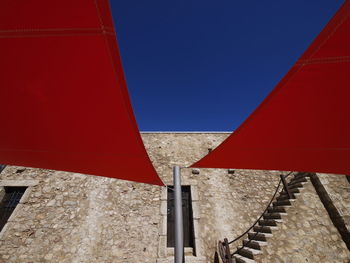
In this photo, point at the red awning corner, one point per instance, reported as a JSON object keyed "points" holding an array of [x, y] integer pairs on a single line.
{"points": [[65, 103], [303, 125]]}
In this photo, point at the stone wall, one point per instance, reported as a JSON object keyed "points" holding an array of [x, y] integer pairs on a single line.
{"points": [[229, 203], [78, 218], [338, 189], [306, 234], [67, 217]]}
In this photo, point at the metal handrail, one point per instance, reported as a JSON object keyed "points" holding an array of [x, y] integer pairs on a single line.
{"points": [[250, 240], [256, 221], [225, 254], [267, 207]]}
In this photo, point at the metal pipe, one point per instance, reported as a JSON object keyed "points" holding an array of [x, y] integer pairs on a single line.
{"points": [[179, 231]]}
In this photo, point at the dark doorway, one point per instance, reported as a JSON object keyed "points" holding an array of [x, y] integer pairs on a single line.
{"points": [[187, 217], [9, 202]]}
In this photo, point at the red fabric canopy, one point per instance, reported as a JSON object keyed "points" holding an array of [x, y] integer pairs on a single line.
{"points": [[304, 124], [64, 102]]}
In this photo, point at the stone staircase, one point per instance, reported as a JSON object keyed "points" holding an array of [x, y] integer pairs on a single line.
{"points": [[258, 237]]}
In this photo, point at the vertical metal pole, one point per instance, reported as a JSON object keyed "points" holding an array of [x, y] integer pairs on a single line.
{"points": [[179, 231]]}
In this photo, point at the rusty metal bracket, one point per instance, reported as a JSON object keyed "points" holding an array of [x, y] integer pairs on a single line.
{"points": [[224, 251]]}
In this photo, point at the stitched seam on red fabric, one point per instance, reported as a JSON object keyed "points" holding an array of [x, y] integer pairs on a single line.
{"points": [[53, 32], [69, 152], [329, 35], [277, 89], [131, 119], [116, 75], [52, 29], [99, 15], [55, 35], [324, 60]]}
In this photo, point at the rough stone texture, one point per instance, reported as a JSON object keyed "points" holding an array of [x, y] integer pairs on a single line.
{"points": [[78, 218], [306, 234], [338, 189], [229, 203]]}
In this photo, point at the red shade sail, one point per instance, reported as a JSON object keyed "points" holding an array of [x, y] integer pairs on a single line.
{"points": [[64, 102], [304, 124]]}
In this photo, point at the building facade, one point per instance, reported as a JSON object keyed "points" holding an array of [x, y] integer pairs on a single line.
{"points": [[68, 217]]}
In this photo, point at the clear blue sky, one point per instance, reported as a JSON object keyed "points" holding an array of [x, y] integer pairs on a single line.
{"points": [[204, 65]]}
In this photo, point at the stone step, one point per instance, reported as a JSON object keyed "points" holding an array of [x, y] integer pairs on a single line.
{"points": [[292, 191], [298, 185], [248, 252], [301, 175], [282, 203], [267, 222], [277, 209], [300, 180], [262, 229], [252, 244], [285, 197], [241, 259], [272, 216], [297, 176], [259, 236], [296, 181], [256, 244]]}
